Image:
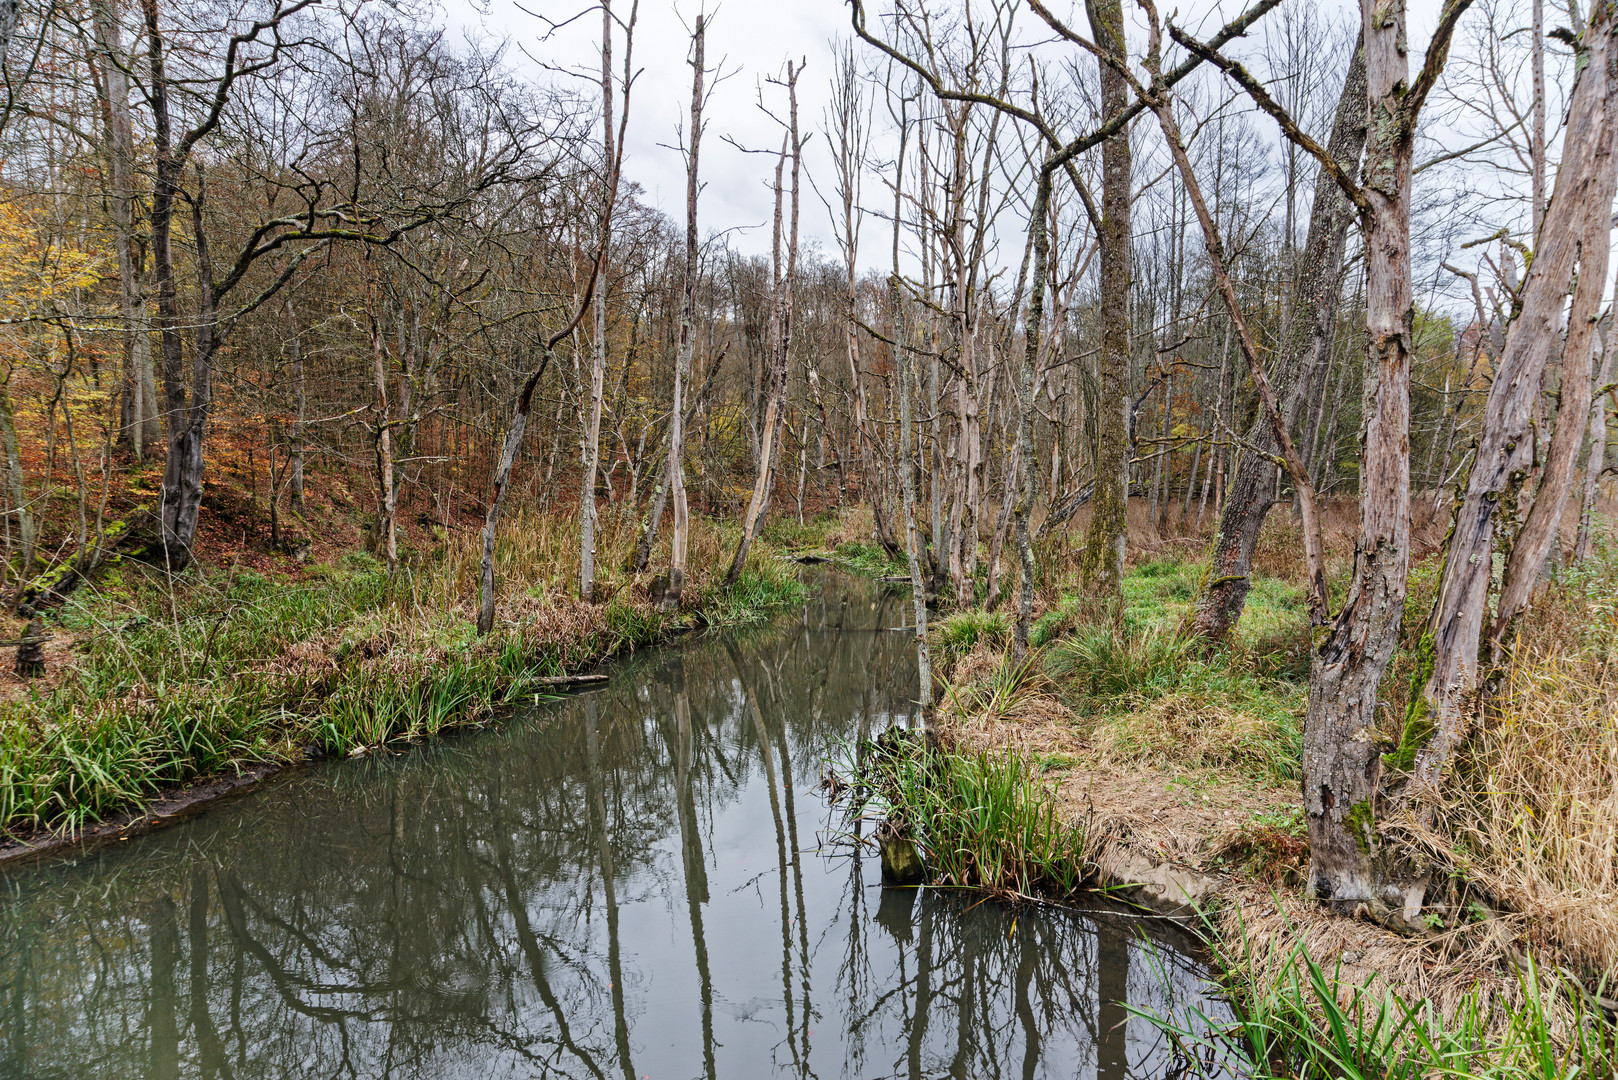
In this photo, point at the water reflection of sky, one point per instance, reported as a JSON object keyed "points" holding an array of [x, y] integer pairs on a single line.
{"points": [[626, 884]]}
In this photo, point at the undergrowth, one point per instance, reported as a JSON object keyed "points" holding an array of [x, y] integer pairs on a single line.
{"points": [[211, 672]]}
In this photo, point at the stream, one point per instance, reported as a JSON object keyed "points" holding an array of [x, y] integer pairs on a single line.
{"points": [[639, 881]]}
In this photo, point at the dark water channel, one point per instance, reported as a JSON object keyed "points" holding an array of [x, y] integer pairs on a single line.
{"points": [[635, 882]]}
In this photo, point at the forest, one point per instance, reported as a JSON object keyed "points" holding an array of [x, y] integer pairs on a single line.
{"points": [[1229, 388]]}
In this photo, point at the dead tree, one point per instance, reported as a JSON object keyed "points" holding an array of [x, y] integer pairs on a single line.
{"points": [[681, 532], [781, 316], [598, 362]]}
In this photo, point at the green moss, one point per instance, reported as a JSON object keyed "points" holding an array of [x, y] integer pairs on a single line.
{"points": [[1362, 822], [1418, 725]]}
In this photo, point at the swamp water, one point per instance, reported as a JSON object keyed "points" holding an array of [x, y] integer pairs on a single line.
{"points": [[638, 881]]}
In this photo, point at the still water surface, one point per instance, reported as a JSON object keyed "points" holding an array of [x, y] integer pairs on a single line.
{"points": [[636, 882]]}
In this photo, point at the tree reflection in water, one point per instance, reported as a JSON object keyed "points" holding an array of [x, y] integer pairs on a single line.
{"points": [[626, 884]]}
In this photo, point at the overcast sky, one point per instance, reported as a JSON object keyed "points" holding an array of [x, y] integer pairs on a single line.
{"points": [[750, 41]]}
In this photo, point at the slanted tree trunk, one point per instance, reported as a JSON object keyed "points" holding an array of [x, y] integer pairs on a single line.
{"points": [[1102, 568], [681, 531], [1314, 301], [1270, 406], [1506, 450]]}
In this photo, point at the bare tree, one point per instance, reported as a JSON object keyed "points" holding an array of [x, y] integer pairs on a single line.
{"points": [[598, 364], [781, 314], [680, 535]]}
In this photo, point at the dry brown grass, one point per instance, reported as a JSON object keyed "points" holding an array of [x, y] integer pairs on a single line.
{"points": [[1186, 729], [1531, 816], [537, 561]]}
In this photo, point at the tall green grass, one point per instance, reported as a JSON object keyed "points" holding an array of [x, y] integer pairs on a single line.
{"points": [[984, 823], [959, 632], [1306, 1023], [1163, 694]]}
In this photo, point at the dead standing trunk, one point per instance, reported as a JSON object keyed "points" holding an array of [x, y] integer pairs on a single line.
{"points": [[775, 412], [598, 360], [1540, 535], [1340, 757], [681, 531], [1315, 297], [849, 145], [1595, 459], [1028, 466]]}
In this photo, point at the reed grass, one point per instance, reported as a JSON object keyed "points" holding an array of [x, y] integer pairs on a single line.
{"points": [[984, 822]]}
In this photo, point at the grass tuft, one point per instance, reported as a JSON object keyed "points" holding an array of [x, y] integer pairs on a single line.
{"points": [[1306, 1023], [984, 822]]}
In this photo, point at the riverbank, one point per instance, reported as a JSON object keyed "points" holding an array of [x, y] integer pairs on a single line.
{"points": [[168, 688], [1181, 767]]}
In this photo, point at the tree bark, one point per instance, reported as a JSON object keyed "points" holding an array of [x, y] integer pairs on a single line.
{"points": [[300, 406], [598, 360], [775, 411], [1341, 763], [387, 494], [1595, 460], [1102, 568], [137, 412]]}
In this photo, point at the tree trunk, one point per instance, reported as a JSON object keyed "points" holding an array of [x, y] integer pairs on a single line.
{"points": [[1028, 466], [775, 411], [182, 475], [1595, 461], [1341, 763], [1506, 450], [300, 405], [1314, 300], [1540, 535], [387, 497], [137, 413], [681, 533], [26, 525], [1102, 568], [598, 360]]}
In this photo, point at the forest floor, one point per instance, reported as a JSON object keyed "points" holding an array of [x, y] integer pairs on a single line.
{"points": [[162, 689], [1182, 767]]}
